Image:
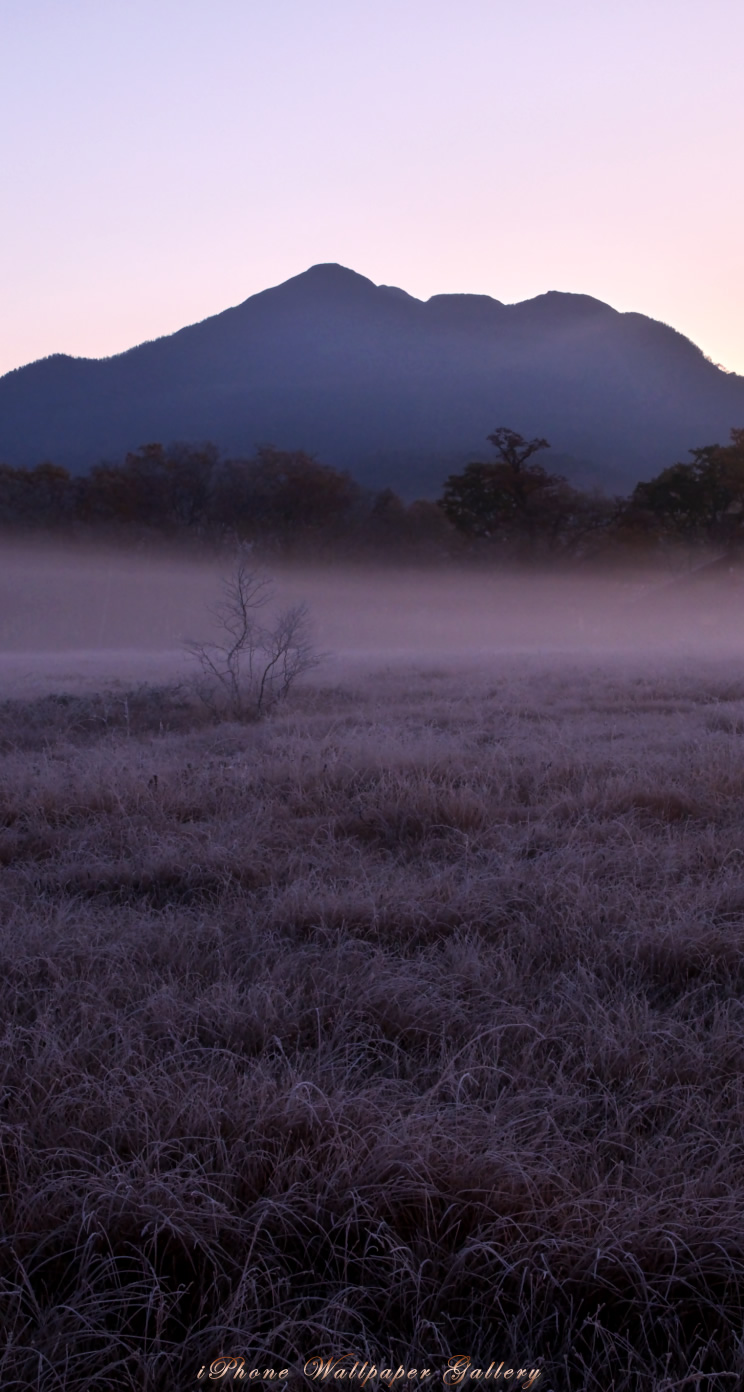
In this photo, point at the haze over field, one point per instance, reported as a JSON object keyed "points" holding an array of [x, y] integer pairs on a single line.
{"points": [[74, 618]]}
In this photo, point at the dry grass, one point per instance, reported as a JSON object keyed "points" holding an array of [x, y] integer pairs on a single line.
{"points": [[409, 1021]]}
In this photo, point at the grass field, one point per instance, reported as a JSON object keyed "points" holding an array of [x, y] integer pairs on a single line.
{"points": [[408, 1022]]}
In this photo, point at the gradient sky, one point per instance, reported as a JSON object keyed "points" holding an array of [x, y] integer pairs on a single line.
{"points": [[163, 159]]}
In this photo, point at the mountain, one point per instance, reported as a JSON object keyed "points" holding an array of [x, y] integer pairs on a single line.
{"points": [[399, 391]]}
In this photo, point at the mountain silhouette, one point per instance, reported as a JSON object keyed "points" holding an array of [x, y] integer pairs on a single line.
{"points": [[399, 391]]}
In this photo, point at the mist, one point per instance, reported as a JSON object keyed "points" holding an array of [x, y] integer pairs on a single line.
{"points": [[75, 617]]}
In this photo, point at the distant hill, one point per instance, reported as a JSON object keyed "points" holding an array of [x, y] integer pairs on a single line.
{"points": [[399, 391]]}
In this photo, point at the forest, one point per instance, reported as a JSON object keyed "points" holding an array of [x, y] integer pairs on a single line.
{"points": [[286, 504]]}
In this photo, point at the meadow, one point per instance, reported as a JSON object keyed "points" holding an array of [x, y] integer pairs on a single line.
{"points": [[408, 1021]]}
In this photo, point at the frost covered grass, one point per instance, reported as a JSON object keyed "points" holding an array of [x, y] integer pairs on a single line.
{"points": [[408, 1021]]}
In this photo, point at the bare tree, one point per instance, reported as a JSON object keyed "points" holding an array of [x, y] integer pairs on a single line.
{"points": [[252, 664]]}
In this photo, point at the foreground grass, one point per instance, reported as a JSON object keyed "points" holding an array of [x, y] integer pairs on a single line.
{"points": [[410, 1022]]}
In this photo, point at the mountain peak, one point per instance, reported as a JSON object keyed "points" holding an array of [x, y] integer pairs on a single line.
{"points": [[332, 271], [330, 276], [325, 284]]}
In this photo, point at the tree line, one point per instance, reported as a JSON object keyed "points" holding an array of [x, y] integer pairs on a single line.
{"points": [[278, 501], [287, 503]]}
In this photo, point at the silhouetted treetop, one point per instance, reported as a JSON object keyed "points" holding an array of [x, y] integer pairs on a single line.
{"points": [[698, 501], [520, 505], [513, 449]]}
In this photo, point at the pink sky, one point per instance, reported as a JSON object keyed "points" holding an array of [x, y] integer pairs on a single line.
{"points": [[163, 159]]}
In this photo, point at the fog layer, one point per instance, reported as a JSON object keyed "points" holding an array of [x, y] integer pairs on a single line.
{"points": [[69, 617]]}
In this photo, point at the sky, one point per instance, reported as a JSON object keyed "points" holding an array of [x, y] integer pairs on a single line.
{"points": [[164, 159]]}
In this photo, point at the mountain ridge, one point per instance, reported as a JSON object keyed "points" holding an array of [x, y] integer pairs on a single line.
{"points": [[394, 388]]}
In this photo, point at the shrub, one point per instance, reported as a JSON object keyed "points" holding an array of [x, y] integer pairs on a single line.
{"points": [[252, 665]]}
